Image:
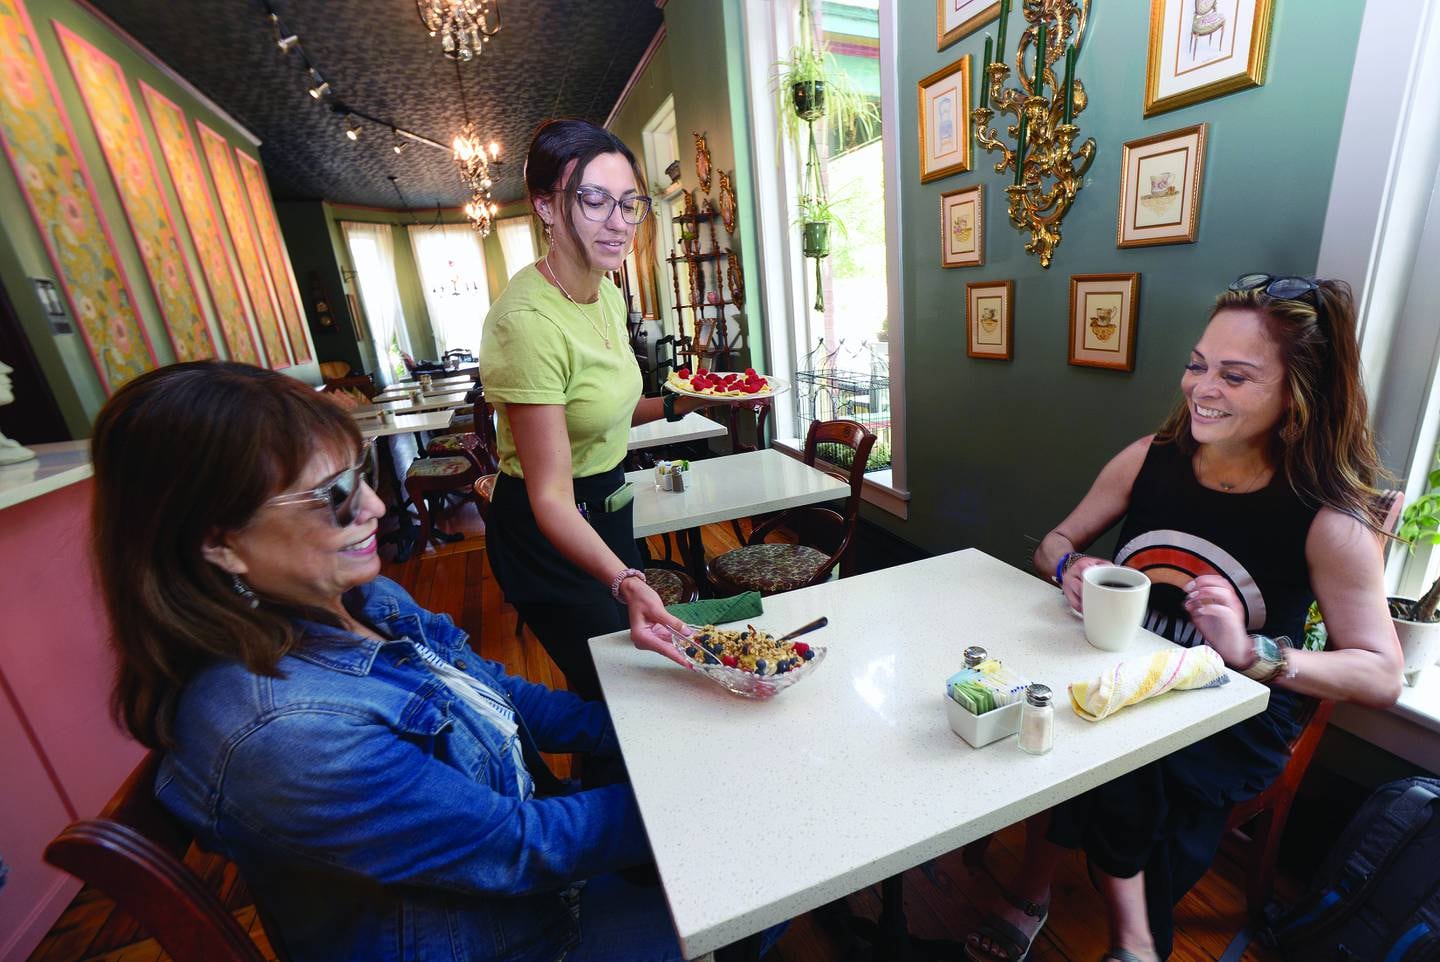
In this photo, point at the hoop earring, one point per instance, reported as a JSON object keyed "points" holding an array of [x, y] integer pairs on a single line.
{"points": [[245, 591]]}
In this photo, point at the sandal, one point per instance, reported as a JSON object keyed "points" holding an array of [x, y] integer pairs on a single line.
{"points": [[1010, 944]]}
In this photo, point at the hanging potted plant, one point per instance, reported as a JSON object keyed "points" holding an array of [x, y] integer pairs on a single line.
{"points": [[815, 220], [1417, 622], [816, 88]]}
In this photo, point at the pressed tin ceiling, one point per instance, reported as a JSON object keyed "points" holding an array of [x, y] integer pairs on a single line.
{"points": [[553, 58]]}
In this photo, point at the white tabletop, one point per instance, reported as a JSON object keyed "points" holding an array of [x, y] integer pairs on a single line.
{"points": [[395, 394], [854, 775], [430, 402], [54, 466], [437, 381], [692, 427], [733, 486], [405, 423]]}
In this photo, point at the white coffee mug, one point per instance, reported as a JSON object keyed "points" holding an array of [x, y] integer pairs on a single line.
{"points": [[1114, 599]]}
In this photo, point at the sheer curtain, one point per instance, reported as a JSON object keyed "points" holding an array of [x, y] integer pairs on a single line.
{"points": [[452, 271], [372, 251], [517, 243]]}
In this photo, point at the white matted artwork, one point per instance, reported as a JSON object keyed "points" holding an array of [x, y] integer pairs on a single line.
{"points": [[945, 121], [1204, 48], [990, 320], [957, 18], [1160, 180], [962, 227], [1103, 309]]}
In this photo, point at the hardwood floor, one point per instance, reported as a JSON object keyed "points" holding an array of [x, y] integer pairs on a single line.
{"points": [[941, 898]]}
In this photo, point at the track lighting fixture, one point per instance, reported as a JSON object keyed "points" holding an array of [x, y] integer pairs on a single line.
{"points": [[353, 131]]}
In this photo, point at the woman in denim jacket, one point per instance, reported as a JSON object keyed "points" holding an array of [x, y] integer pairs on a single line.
{"points": [[372, 777]]}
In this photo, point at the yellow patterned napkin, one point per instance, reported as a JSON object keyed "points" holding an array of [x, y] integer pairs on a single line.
{"points": [[1137, 679]]}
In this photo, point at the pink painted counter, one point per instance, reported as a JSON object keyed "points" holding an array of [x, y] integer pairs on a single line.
{"points": [[61, 755]]}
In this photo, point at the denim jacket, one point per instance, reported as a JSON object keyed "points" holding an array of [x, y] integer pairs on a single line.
{"points": [[375, 815]]}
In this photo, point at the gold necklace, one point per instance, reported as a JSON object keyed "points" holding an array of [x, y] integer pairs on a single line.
{"points": [[556, 278], [1230, 487]]}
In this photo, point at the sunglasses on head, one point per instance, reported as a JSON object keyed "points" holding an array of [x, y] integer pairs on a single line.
{"points": [[340, 492], [1281, 288]]}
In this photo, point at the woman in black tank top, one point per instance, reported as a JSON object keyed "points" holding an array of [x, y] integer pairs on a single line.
{"points": [[1249, 502]]}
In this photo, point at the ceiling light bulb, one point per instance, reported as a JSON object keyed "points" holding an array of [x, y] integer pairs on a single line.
{"points": [[353, 132], [287, 43], [320, 89], [494, 150]]}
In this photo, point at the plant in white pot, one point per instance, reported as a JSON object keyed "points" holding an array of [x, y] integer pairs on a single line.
{"points": [[1417, 622]]}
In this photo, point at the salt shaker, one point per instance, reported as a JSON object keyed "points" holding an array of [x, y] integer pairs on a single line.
{"points": [[974, 655], [1037, 721]]}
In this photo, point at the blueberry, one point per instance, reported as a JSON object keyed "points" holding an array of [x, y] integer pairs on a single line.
{"points": [[808, 655], [760, 666], [690, 650], [710, 659], [782, 666]]}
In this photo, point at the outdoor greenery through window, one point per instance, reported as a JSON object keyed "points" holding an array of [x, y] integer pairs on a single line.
{"points": [[842, 369]]}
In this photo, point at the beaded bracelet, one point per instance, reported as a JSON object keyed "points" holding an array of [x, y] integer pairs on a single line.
{"points": [[1061, 566]]}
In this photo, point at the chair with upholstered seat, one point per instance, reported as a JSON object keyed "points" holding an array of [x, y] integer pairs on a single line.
{"points": [[432, 478], [478, 438], [134, 852], [824, 534]]}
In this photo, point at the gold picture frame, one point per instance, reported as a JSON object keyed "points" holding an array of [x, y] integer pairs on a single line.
{"points": [[1236, 39], [958, 18], [944, 99], [1103, 312], [962, 227], [727, 202], [990, 320], [1160, 181]]}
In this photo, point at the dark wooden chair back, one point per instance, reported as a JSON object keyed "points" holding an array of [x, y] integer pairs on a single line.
{"points": [[828, 530], [134, 853], [751, 414]]}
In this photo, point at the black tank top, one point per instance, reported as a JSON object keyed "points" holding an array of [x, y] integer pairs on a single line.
{"points": [[1177, 528]]}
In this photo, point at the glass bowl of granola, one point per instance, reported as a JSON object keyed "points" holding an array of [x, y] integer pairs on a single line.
{"points": [[747, 661]]}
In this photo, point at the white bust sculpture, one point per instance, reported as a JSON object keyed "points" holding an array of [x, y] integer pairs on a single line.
{"points": [[11, 452]]}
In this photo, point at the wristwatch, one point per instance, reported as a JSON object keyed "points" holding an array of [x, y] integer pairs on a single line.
{"points": [[669, 405], [1269, 658]]}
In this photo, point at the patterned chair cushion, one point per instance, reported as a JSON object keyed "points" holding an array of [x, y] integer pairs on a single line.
{"points": [[769, 568], [438, 467], [667, 585], [453, 443]]}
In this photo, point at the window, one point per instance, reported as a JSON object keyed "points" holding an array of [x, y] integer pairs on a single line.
{"points": [[372, 252], [517, 243], [451, 262], [843, 355], [662, 148]]}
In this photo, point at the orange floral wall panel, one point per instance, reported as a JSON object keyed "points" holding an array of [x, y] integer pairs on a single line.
{"points": [[282, 278], [172, 130], [247, 248], [127, 153], [40, 146]]}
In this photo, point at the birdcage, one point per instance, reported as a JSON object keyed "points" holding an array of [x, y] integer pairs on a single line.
{"points": [[840, 382]]}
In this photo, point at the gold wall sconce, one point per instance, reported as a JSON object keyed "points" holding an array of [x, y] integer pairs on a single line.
{"points": [[1048, 173]]}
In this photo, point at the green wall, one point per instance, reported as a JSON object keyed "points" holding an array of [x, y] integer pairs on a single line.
{"points": [[62, 357], [999, 452]]}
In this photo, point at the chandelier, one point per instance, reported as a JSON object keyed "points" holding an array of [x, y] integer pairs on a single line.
{"points": [[481, 212], [463, 26]]}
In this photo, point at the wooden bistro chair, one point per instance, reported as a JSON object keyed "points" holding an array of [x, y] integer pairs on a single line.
{"points": [[434, 478], [825, 534], [134, 852], [476, 435], [1261, 820]]}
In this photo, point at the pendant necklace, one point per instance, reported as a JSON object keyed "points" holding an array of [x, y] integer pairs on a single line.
{"points": [[556, 278], [1229, 487]]}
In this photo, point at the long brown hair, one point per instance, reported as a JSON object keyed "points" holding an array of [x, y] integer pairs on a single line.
{"points": [[558, 142], [1323, 446], [180, 454]]}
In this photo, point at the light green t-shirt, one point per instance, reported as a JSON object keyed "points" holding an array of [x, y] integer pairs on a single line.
{"points": [[539, 348]]}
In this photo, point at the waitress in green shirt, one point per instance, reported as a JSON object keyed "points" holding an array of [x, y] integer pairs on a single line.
{"points": [[556, 362]]}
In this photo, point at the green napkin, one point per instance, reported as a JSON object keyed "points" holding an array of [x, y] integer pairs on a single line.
{"points": [[717, 611]]}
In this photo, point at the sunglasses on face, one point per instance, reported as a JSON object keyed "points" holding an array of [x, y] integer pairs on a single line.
{"points": [[340, 493], [1281, 288], [597, 205]]}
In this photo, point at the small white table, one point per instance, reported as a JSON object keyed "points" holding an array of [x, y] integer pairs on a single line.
{"points": [[692, 427], [733, 486], [404, 423], [403, 405], [854, 775]]}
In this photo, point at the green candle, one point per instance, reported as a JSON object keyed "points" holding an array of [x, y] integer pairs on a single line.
{"points": [[1020, 151], [1069, 83], [1004, 16], [1039, 63], [985, 76]]}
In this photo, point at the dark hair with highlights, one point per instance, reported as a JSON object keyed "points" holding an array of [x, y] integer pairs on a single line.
{"points": [[554, 145], [181, 453], [1323, 445]]}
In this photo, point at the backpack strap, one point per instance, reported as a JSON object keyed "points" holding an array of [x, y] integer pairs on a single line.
{"points": [[1417, 938]]}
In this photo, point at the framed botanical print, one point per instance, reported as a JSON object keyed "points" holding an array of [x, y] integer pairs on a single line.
{"points": [[956, 18], [1160, 178], [990, 320], [702, 162], [1204, 48], [962, 227], [945, 121], [1103, 308]]}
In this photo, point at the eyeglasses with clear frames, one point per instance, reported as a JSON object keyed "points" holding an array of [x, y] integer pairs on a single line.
{"points": [[340, 492], [597, 205]]}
